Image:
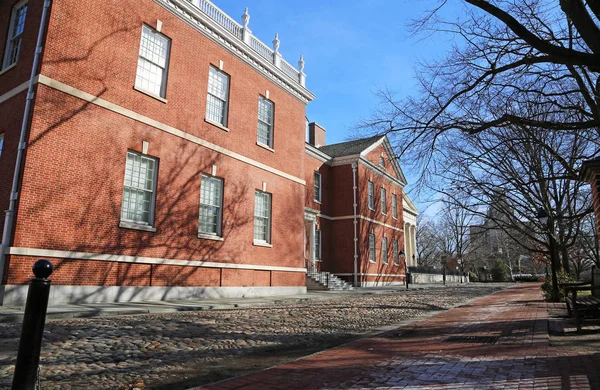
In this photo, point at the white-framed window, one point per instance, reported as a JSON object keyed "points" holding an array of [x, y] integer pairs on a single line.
{"points": [[394, 206], [318, 244], [15, 34], [372, 248], [211, 205], [384, 250], [153, 62], [217, 101], [317, 186], [383, 201], [265, 121], [262, 217], [396, 253], [371, 196], [382, 162], [1, 143], [139, 189]]}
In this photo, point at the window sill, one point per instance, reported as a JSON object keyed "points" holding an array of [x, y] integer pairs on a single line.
{"points": [[263, 244], [210, 237], [266, 147], [8, 68], [372, 262], [384, 214], [396, 265], [317, 201], [135, 226], [395, 218], [386, 263], [160, 99], [372, 209], [216, 124]]}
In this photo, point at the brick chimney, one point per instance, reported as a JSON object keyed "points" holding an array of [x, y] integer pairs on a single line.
{"points": [[316, 134]]}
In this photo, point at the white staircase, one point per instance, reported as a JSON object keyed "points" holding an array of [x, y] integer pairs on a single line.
{"points": [[327, 281]]}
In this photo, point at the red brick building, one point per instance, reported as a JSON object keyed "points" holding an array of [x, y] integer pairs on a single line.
{"points": [[360, 223], [162, 154], [155, 149]]}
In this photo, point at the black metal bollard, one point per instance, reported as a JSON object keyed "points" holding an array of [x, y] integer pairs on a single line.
{"points": [[28, 357]]}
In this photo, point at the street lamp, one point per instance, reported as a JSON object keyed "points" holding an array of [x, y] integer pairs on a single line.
{"points": [[545, 219]]}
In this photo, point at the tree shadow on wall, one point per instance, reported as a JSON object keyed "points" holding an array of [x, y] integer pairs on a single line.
{"points": [[75, 194]]}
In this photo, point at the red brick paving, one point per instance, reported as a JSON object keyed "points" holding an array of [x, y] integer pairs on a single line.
{"points": [[418, 357]]}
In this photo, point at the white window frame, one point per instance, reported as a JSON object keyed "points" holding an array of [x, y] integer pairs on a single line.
{"points": [[382, 162], [372, 250], [270, 125], [1, 143], [8, 61], [219, 228], [269, 196], [152, 204], [396, 253], [317, 188], [318, 243], [141, 59], [384, 250], [383, 201], [371, 194], [394, 206], [218, 73]]}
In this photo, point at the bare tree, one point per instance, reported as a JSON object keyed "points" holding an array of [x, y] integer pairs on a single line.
{"points": [[509, 57], [428, 245], [506, 175]]}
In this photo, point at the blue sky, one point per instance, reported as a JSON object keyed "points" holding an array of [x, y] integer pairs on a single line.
{"points": [[352, 48]]}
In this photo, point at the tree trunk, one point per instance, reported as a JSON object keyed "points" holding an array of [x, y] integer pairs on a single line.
{"points": [[564, 254]]}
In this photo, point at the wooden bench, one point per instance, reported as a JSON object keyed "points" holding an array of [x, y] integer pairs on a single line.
{"points": [[584, 306]]}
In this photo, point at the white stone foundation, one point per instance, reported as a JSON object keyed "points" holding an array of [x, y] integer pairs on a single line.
{"points": [[16, 295]]}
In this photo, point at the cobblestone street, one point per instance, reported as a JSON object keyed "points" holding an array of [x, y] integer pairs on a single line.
{"points": [[497, 342], [193, 348]]}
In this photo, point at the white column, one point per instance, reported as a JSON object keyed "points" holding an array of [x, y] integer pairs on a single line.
{"points": [[313, 227], [406, 244], [413, 243]]}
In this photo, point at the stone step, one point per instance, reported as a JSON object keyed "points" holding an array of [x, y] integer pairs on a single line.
{"points": [[329, 281]]}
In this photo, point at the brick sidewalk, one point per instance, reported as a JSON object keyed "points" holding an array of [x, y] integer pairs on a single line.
{"points": [[449, 351]]}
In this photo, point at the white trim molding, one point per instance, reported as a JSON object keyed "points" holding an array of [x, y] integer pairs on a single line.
{"points": [[360, 217], [34, 252], [57, 85], [316, 153], [16, 90]]}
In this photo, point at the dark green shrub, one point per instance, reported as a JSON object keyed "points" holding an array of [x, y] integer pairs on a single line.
{"points": [[473, 277], [499, 272], [562, 277]]}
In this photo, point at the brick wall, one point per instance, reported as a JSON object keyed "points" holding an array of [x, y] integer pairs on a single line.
{"points": [[73, 177]]}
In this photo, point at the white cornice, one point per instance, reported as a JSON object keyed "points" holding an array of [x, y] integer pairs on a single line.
{"points": [[195, 18], [379, 171], [408, 205], [344, 160], [316, 153]]}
